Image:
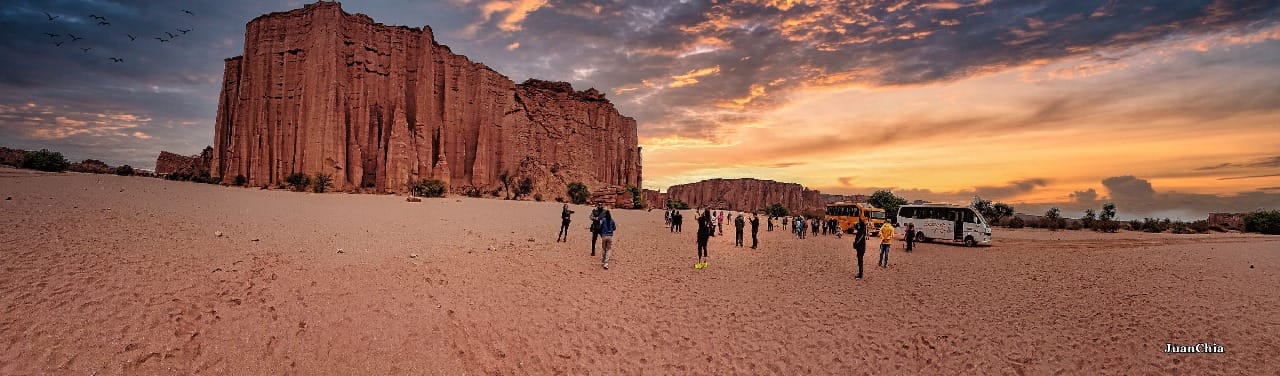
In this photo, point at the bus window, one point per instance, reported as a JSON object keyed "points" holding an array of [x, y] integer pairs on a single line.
{"points": [[906, 212], [968, 217]]}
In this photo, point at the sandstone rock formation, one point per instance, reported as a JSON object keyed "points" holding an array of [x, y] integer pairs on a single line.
{"points": [[91, 166], [377, 106], [170, 163], [747, 195], [613, 196], [654, 199]]}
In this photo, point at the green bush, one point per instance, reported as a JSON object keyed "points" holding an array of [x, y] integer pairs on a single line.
{"points": [[637, 201], [1264, 221], [321, 182], [578, 193], [525, 187], [1017, 222], [1053, 219], [125, 170], [45, 160], [1088, 219], [428, 188], [777, 210], [677, 204], [241, 181], [298, 181], [1106, 226]]}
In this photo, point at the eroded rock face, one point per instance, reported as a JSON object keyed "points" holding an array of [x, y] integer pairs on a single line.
{"points": [[377, 106], [654, 199], [169, 163], [747, 195]]}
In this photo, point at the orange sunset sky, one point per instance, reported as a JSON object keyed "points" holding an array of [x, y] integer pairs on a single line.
{"points": [[1167, 108]]}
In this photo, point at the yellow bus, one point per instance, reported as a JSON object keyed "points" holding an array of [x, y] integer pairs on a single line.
{"points": [[848, 213]]}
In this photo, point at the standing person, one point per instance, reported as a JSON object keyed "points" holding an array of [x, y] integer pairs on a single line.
{"points": [[860, 243], [886, 238], [565, 213], [596, 214], [607, 227], [667, 218], [705, 232], [737, 225], [720, 223], [804, 223], [816, 223], [770, 220], [755, 228], [679, 221], [909, 236]]}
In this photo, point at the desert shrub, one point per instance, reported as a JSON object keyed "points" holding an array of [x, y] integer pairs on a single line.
{"points": [[537, 197], [777, 210], [321, 182], [559, 199], [1017, 222], [45, 160], [1108, 212], [1179, 227], [125, 170], [1199, 227], [1135, 225], [1263, 221], [1053, 219], [1035, 223], [1088, 219], [241, 180], [637, 202], [1106, 226], [578, 193], [677, 204], [298, 181], [1073, 225], [1154, 225], [525, 187], [428, 188]]}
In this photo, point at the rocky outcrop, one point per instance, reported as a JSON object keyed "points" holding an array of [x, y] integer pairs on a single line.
{"points": [[91, 166], [653, 199], [747, 195], [11, 157], [170, 163], [613, 196], [377, 106]]}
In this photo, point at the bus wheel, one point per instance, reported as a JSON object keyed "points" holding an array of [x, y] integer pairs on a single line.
{"points": [[920, 237], [970, 242]]}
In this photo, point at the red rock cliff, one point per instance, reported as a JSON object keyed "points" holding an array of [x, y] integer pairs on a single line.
{"points": [[377, 106], [168, 163], [747, 195]]}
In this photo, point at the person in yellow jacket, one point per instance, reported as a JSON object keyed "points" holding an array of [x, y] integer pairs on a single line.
{"points": [[886, 237]]}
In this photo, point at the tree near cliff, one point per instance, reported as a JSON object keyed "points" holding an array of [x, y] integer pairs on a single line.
{"points": [[777, 210], [886, 200], [636, 201]]}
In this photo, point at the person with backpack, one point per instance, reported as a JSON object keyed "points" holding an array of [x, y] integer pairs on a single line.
{"points": [[738, 223], [565, 213], [596, 214], [607, 227], [706, 229]]}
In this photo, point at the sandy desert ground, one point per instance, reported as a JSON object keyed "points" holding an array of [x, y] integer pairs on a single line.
{"points": [[124, 275]]}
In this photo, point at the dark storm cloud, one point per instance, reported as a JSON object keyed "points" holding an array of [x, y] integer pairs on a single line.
{"points": [[1086, 196], [1128, 187]]}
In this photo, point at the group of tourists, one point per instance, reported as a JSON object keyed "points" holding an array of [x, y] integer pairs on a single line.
{"points": [[710, 223]]}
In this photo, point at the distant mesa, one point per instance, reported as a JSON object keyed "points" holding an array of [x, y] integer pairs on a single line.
{"points": [[169, 163], [380, 107], [748, 195]]}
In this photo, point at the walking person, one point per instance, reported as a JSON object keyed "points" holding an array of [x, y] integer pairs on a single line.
{"points": [[565, 214], [909, 236], [737, 225], [607, 227], [770, 220], [705, 232], [860, 244], [804, 223], [755, 228], [886, 238], [596, 214]]}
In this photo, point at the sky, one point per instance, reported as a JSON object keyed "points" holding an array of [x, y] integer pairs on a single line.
{"points": [[1167, 108]]}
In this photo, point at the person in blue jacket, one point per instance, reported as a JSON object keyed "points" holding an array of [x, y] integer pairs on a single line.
{"points": [[607, 227]]}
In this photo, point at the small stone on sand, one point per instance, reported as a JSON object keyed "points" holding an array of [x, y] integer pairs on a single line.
{"points": [[413, 255], [217, 234], [413, 199], [339, 250]]}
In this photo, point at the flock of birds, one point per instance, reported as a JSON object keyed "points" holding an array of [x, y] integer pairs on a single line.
{"points": [[58, 39]]}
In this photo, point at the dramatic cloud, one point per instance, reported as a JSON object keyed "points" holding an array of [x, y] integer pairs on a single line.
{"points": [[1128, 188], [1087, 196]]}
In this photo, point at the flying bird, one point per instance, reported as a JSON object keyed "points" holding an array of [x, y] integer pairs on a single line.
{"points": [[171, 36], [188, 12], [162, 40], [51, 17], [116, 60], [59, 44], [97, 17], [52, 35], [74, 37], [185, 31], [104, 23], [86, 50], [131, 37]]}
